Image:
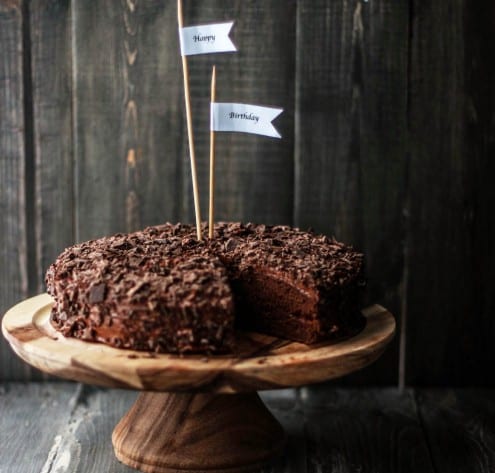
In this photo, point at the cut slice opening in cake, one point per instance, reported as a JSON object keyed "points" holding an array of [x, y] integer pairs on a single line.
{"points": [[271, 304]]}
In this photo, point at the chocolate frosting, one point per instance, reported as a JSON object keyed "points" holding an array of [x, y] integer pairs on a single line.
{"points": [[162, 290]]}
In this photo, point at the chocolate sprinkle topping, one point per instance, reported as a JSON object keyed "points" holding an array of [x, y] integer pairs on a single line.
{"points": [[162, 290], [97, 293]]}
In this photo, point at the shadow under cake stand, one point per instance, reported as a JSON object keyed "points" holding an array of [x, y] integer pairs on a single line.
{"points": [[195, 413]]}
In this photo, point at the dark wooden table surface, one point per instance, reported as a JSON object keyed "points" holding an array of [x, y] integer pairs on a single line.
{"points": [[65, 427]]}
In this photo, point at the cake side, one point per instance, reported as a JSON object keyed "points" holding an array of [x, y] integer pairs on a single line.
{"points": [[154, 290]]}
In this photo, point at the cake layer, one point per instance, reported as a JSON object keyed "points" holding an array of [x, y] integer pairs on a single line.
{"points": [[290, 283], [161, 290]]}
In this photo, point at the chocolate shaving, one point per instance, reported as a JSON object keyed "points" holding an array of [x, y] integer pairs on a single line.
{"points": [[161, 289], [97, 293]]}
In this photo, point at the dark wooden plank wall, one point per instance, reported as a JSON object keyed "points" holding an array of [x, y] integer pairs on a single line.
{"points": [[15, 173], [51, 87], [451, 197], [127, 83], [351, 139], [388, 140], [254, 174]]}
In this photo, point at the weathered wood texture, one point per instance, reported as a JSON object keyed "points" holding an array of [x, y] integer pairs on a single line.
{"points": [[460, 429], [34, 418], [81, 420], [450, 301], [51, 51], [254, 174], [65, 427], [351, 138], [68, 427], [14, 278], [388, 144], [368, 431], [129, 136], [131, 151]]}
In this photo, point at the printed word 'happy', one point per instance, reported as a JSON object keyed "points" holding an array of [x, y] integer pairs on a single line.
{"points": [[205, 39]]}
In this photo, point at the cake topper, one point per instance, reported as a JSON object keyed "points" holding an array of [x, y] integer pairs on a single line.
{"points": [[237, 117], [211, 216], [206, 39], [202, 39]]}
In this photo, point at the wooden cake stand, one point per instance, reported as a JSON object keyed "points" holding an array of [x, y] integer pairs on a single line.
{"points": [[196, 413]]}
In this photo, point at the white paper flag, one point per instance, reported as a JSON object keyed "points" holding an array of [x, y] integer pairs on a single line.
{"points": [[206, 39], [244, 118]]}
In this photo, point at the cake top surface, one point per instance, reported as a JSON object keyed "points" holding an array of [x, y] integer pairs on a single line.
{"points": [[168, 262], [314, 260], [142, 267]]}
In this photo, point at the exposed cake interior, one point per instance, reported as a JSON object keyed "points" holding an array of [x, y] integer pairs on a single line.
{"points": [[270, 304]]}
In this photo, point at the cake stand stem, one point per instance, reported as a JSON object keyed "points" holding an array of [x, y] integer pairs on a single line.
{"points": [[197, 432]]}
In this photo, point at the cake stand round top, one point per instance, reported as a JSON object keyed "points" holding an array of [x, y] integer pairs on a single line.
{"points": [[259, 362]]}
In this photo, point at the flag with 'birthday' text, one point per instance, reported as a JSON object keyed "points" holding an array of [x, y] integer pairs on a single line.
{"points": [[244, 118]]}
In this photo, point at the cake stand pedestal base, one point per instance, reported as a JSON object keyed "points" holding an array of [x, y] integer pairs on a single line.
{"points": [[197, 432]]}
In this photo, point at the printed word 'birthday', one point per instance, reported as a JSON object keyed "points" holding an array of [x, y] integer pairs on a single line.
{"points": [[244, 116]]}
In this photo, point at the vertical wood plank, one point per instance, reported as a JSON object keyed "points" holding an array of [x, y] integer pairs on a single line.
{"points": [[128, 145], [254, 175], [480, 118], [351, 139], [451, 260], [13, 237], [52, 112]]}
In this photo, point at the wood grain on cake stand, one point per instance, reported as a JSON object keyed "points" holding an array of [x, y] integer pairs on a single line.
{"points": [[196, 413]]}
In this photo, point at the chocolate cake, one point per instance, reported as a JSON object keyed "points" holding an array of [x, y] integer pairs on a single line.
{"points": [[162, 290]]}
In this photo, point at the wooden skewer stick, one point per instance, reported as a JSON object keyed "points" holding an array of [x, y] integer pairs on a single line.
{"points": [[212, 158], [190, 135]]}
